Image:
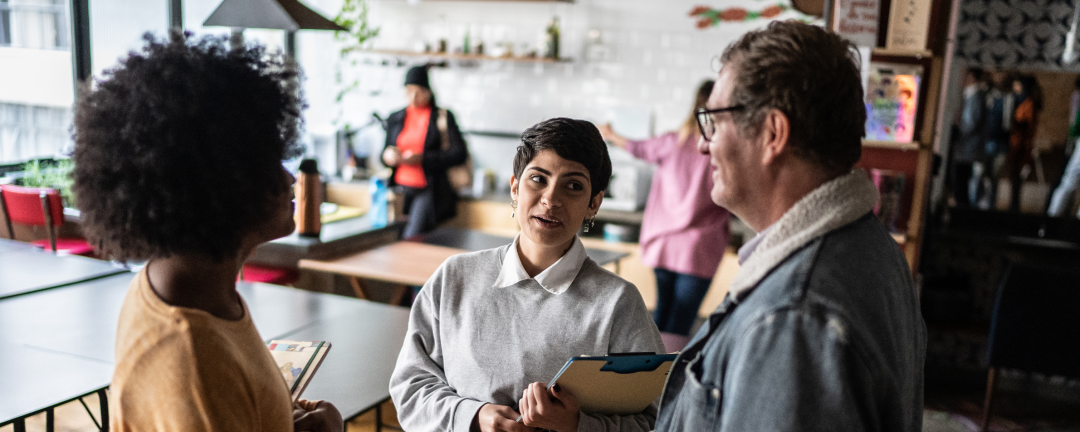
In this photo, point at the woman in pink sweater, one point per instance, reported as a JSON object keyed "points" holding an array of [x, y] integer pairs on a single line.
{"points": [[683, 234]]}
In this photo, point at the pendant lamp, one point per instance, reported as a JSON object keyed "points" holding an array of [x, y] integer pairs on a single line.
{"points": [[290, 15]]}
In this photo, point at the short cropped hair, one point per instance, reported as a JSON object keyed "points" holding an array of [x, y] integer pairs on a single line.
{"points": [[178, 149], [574, 140], [812, 76]]}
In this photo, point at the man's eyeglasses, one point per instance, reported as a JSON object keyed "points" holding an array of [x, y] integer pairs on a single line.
{"points": [[705, 119]]}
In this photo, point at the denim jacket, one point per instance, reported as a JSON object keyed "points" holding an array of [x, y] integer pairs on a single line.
{"points": [[829, 338]]}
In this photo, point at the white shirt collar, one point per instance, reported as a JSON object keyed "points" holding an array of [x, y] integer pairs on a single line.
{"points": [[749, 247], [555, 279]]}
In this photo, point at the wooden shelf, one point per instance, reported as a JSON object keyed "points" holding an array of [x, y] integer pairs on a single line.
{"points": [[475, 57], [914, 145], [901, 53]]}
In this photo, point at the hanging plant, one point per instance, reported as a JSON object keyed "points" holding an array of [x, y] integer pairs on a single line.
{"points": [[709, 17], [354, 17]]}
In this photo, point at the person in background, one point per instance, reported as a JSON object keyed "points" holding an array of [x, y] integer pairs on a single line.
{"points": [[1062, 199], [1027, 98], [969, 140], [490, 327], [683, 234], [416, 152], [178, 161], [996, 127], [821, 329]]}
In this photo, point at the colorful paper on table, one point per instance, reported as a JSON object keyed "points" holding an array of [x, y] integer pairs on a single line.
{"points": [[298, 361], [341, 213], [892, 100]]}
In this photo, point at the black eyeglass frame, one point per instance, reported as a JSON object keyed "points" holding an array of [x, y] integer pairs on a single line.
{"points": [[702, 116]]}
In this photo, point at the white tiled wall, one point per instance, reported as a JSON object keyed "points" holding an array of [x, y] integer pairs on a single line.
{"points": [[650, 57]]}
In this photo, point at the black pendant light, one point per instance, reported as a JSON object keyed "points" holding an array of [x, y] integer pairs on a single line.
{"points": [[288, 15]]}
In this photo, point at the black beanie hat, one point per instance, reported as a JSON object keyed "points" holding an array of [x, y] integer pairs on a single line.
{"points": [[417, 75]]}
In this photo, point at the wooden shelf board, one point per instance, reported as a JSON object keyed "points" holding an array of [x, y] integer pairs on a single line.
{"points": [[892, 145], [452, 56], [901, 53]]}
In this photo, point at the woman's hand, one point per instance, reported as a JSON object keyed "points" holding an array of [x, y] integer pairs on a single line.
{"points": [[410, 158], [610, 136], [553, 409], [316, 416], [498, 418], [391, 156]]}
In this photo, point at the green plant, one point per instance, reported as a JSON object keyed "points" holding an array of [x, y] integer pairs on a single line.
{"points": [[354, 17], [58, 176]]}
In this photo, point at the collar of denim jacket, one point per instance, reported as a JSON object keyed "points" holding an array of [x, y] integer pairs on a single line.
{"points": [[832, 205]]}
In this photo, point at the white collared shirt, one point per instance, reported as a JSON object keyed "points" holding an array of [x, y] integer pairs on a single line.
{"points": [[556, 279], [749, 247]]}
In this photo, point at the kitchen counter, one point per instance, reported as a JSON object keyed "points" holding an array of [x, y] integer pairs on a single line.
{"points": [[335, 239]]}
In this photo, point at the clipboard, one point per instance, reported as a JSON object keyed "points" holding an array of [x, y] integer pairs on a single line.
{"points": [[615, 384]]}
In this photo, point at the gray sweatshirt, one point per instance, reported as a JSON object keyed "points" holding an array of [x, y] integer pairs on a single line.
{"points": [[471, 342]]}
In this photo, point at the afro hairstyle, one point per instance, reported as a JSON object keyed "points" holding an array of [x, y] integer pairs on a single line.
{"points": [[179, 148]]}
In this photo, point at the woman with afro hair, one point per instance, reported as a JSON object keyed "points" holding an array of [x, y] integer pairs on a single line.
{"points": [[178, 155]]}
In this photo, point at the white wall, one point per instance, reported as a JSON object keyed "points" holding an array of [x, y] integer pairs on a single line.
{"points": [[650, 59], [656, 59]]}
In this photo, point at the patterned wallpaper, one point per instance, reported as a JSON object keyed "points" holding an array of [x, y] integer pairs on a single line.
{"points": [[1015, 34]]}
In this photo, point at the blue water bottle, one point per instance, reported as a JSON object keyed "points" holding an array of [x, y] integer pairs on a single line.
{"points": [[379, 202]]}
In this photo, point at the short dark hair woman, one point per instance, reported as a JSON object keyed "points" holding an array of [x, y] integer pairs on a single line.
{"points": [[422, 143], [489, 327], [178, 155]]}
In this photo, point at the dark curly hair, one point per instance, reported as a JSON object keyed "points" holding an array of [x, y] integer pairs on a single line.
{"points": [[812, 76], [575, 140], [178, 149]]}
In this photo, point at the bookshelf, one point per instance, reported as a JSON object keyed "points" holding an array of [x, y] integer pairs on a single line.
{"points": [[918, 43], [891, 145]]}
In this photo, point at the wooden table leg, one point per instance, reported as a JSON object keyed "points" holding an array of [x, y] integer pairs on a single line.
{"points": [[398, 295], [359, 288]]}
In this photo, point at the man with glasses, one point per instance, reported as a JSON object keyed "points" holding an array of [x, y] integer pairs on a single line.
{"points": [[821, 327]]}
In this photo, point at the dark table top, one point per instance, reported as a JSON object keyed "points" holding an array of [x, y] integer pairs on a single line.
{"points": [[26, 270], [34, 379], [355, 375], [335, 239], [472, 241], [79, 322]]}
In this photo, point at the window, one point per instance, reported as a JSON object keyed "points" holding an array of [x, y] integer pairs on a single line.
{"points": [[34, 24], [36, 90], [117, 28]]}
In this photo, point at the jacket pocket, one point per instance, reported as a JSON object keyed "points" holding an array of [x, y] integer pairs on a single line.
{"points": [[698, 404]]}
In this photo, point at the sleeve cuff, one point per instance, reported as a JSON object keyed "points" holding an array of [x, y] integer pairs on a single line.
{"points": [[464, 414], [634, 147], [588, 423]]}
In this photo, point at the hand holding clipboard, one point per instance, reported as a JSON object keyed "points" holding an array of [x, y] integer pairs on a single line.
{"points": [[619, 384]]}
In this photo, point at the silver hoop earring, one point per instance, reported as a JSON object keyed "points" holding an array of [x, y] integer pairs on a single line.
{"points": [[513, 205]]}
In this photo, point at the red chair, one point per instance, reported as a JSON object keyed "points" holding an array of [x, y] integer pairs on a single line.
{"points": [[39, 207], [267, 274]]}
